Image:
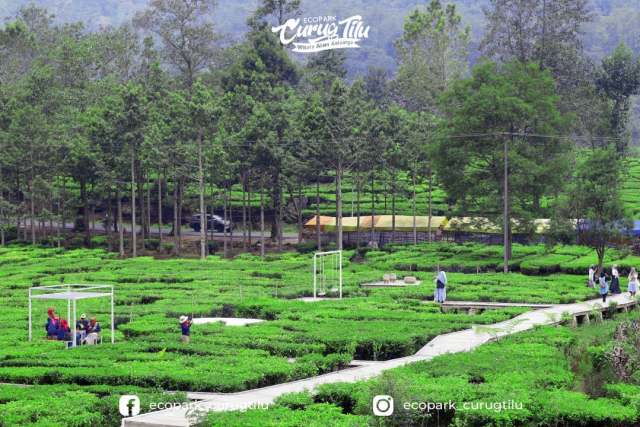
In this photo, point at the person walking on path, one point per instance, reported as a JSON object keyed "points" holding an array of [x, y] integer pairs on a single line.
{"points": [[603, 286], [185, 326], [633, 282], [441, 287], [591, 282], [615, 280]]}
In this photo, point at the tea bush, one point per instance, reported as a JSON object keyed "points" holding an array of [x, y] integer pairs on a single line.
{"points": [[524, 379], [297, 339]]}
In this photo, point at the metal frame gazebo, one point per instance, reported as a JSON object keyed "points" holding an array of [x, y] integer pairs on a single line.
{"points": [[71, 293]]}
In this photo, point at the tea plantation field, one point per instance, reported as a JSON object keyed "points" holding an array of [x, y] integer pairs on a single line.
{"points": [[551, 376], [381, 199], [297, 339]]}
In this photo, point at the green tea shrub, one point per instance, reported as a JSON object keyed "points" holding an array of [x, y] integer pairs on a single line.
{"points": [[305, 247], [317, 415], [295, 401], [343, 395], [167, 247], [152, 244]]}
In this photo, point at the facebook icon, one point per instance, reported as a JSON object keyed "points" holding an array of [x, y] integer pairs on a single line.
{"points": [[129, 405]]}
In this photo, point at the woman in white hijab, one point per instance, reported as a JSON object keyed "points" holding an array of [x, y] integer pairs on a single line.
{"points": [[441, 287], [615, 280]]}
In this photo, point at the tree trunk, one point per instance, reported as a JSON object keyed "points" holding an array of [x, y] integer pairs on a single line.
{"points": [[226, 218], [58, 230], [413, 208], [280, 219], [143, 220], [358, 193], [93, 217], [63, 218], [385, 193], [32, 197], [373, 207], [160, 208], [430, 205], [339, 206], [120, 226], [262, 222], [176, 236], [244, 213], [32, 208], [393, 210], [212, 198], [2, 222], [249, 217], [299, 209], [600, 251], [275, 200], [134, 242], [353, 191], [51, 215], [505, 213], [148, 182], [230, 216], [203, 212], [180, 204], [318, 237], [109, 221], [85, 212]]}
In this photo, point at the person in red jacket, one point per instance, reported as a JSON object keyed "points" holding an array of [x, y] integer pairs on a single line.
{"points": [[64, 332], [52, 325]]}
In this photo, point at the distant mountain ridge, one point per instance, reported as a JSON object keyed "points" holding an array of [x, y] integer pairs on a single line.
{"points": [[614, 21]]}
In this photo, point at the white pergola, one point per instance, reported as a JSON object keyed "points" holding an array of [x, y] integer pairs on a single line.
{"points": [[71, 293], [318, 261]]}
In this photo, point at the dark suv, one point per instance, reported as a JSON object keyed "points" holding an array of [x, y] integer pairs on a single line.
{"points": [[214, 222]]}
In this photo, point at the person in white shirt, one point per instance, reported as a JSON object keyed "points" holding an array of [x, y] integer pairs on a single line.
{"points": [[591, 282]]}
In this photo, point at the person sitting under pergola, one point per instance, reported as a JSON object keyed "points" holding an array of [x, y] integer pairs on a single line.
{"points": [[71, 294]]}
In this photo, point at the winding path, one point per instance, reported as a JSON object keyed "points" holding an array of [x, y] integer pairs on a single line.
{"points": [[464, 340]]}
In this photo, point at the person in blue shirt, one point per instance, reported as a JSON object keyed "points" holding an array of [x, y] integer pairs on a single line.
{"points": [[83, 323], [185, 326], [64, 332]]}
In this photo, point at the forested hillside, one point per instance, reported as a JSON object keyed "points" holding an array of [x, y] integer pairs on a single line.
{"points": [[613, 21], [178, 111]]}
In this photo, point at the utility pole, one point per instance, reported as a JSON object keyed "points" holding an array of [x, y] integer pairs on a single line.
{"points": [[505, 209]]}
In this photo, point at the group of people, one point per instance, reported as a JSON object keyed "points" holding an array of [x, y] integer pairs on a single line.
{"points": [[598, 278], [87, 330], [606, 283]]}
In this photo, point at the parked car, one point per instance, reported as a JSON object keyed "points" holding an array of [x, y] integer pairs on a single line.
{"points": [[214, 222]]}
